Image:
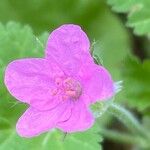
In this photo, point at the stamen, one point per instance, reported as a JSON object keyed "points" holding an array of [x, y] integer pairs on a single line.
{"points": [[68, 87]]}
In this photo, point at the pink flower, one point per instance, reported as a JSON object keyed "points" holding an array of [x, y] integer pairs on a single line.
{"points": [[59, 87]]}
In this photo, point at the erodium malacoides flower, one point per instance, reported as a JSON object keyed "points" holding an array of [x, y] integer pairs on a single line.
{"points": [[59, 87]]}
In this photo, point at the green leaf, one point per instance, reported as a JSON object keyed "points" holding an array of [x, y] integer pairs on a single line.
{"points": [[54, 140], [17, 42], [4, 124], [138, 14], [136, 83], [121, 5]]}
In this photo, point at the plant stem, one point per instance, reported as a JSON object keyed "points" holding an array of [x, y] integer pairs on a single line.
{"points": [[127, 119], [120, 137]]}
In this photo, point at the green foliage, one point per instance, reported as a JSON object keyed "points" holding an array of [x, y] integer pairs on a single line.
{"points": [[121, 5], [55, 139], [111, 40], [18, 42], [48, 14], [136, 83], [138, 13]]}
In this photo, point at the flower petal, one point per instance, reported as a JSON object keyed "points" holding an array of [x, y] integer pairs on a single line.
{"points": [[81, 119], [34, 122], [97, 83], [67, 45], [32, 81]]}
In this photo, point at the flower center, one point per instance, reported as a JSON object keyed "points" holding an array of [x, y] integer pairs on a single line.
{"points": [[72, 88], [68, 88]]}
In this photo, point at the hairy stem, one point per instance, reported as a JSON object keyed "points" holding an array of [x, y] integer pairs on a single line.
{"points": [[120, 137], [127, 119]]}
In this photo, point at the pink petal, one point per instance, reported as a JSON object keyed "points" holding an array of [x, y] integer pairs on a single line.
{"points": [[67, 45], [34, 122], [97, 83], [32, 81], [81, 119]]}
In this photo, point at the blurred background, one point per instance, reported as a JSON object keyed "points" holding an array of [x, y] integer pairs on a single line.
{"points": [[119, 32]]}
